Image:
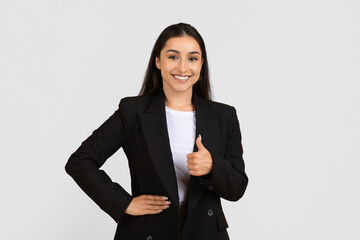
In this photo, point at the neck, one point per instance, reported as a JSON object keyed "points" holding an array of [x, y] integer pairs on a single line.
{"points": [[179, 101]]}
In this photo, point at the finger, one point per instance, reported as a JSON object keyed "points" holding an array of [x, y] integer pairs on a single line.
{"points": [[155, 197], [157, 202], [193, 167], [199, 143], [155, 207], [162, 207], [192, 161], [153, 211], [194, 173]]}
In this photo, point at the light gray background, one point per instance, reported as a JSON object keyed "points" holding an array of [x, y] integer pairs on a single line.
{"points": [[291, 69]]}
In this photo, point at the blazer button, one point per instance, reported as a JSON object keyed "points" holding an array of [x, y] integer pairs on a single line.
{"points": [[210, 187], [210, 212], [149, 238]]}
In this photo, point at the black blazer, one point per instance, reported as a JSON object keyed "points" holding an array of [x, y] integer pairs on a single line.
{"points": [[139, 127]]}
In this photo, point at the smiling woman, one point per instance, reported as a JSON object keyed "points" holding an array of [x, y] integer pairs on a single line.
{"points": [[180, 62], [177, 175]]}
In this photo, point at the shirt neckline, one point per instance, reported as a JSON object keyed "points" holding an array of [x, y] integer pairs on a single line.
{"points": [[177, 112]]}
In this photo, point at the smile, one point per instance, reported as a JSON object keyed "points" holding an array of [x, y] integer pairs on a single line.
{"points": [[181, 78]]}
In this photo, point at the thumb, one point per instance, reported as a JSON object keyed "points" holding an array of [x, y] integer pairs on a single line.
{"points": [[199, 143]]}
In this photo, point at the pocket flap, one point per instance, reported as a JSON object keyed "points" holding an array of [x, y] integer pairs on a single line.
{"points": [[221, 222]]}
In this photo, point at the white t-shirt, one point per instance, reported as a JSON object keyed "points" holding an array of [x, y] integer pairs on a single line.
{"points": [[182, 129]]}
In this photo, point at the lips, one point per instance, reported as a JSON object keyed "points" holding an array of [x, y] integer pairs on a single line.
{"points": [[181, 78]]}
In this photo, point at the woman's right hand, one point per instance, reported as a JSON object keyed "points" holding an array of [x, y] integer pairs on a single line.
{"points": [[147, 204]]}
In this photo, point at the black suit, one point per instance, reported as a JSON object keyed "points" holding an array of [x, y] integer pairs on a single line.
{"points": [[139, 127]]}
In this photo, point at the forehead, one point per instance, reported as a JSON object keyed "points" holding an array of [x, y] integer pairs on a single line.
{"points": [[184, 44]]}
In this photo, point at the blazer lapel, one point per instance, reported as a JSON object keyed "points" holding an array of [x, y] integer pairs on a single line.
{"points": [[207, 125], [154, 126]]}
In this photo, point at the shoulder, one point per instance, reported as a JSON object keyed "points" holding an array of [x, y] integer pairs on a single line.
{"points": [[220, 108], [226, 113], [134, 101], [133, 104]]}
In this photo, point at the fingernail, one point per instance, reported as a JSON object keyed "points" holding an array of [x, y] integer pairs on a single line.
{"points": [[167, 202], [165, 198]]}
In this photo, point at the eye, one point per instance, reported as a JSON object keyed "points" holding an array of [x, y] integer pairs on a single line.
{"points": [[193, 59], [172, 57]]}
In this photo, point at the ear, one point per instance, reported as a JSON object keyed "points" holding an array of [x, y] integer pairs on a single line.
{"points": [[202, 61], [157, 62]]}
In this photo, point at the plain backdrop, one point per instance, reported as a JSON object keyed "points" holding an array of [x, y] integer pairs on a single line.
{"points": [[290, 68]]}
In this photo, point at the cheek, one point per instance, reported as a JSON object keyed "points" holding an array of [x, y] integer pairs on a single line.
{"points": [[167, 68], [166, 71], [196, 69]]}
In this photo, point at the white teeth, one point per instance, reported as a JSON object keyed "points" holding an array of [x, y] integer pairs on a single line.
{"points": [[181, 78]]}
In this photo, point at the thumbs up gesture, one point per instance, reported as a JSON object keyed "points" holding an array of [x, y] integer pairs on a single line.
{"points": [[199, 163]]}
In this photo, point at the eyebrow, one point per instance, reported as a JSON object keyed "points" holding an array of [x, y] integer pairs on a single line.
{"points": [[176, 51]]}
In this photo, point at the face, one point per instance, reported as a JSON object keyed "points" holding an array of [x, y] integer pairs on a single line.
{"points": [[180, 63]]}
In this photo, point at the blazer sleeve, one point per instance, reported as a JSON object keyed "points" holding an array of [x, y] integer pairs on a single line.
{"points": [[228, 178], [83, 165]]}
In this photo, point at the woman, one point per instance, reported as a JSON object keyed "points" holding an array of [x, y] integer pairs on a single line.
{"points": [[177, 175]]}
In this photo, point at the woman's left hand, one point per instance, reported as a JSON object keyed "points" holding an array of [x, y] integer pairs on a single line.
{"points": [[199, 163]]}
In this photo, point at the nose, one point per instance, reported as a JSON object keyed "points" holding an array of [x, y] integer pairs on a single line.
{"points": [[182, 66]]}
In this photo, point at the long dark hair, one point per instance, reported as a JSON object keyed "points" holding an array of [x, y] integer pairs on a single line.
{"points": [[153, 80]]}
